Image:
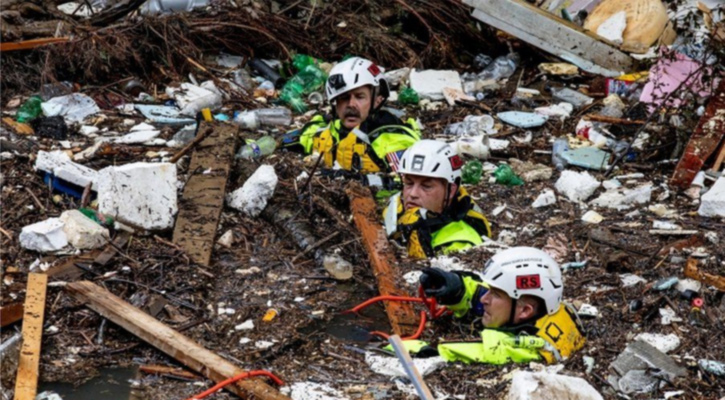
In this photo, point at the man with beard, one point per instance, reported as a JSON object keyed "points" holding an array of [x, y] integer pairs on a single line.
{"points": [[363, 137]]}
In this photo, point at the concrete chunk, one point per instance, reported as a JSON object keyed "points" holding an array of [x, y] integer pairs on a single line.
{"points": [[527, 385], [253, 196], [44, 236], [713, 202], [82, 232], [429, 84], [139, 194], [59, 164]]}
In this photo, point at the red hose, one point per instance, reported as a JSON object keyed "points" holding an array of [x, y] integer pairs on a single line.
{"points": [[243, 375]]}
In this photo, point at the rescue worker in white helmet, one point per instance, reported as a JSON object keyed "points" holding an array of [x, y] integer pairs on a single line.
{"points": [[434, 214], [361, 137], [519, 301]]}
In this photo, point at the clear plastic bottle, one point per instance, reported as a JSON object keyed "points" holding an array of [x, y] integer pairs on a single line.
{"points": [[50, 90], [263, 117], [259, 148], [501, 68], [560, 146]]}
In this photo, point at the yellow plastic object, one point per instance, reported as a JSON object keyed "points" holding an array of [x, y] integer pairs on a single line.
{"points": [[646, 21], [206, 113], [561, 330], [270, 315], [634, 77]]}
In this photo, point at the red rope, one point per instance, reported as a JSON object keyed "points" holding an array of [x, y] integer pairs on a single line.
{"points": [[243, 375]]}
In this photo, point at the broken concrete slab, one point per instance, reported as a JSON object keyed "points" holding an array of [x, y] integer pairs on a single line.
{"points": [[44, 236], [82, 232], [140, 194], [60, 165], [640, 355], [712, 203], [527, 385], [253, 196], [663, 343], [576, 186], [429, 84]]}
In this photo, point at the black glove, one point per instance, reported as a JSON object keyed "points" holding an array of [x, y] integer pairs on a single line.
{"points": [[446, 287]]}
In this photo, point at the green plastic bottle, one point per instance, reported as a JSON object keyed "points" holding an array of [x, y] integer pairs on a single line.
{"points": [[30, 109], [310, 79], [506, 176], [301, 61], [408, 96], [472, 172]]}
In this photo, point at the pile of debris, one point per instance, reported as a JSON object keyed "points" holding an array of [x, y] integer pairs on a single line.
{"points": [[149, 196]]}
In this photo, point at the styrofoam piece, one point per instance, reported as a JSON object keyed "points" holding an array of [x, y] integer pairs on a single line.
{"points": [[522, 119], [82, 232], [192, 99], [527, 385], [390, 366], [622, 198], [59, 164], [546, 198], [562, 110], [253, 196], [312, 391], [576, 186], [688, 284], [631, 279], [613, 28], [712, 203], [663, 343], [429, 84], [44, 236], [142, 195], [74, 107], [163, 114], [140, 133]]}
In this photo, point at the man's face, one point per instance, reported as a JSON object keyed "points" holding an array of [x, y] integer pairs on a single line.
{"points": [[496, 308], [425, 192], [353, 107]]}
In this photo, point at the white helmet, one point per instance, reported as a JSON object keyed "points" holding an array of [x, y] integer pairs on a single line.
{"points": [[520, 271], [433, 159], [353, 73]]}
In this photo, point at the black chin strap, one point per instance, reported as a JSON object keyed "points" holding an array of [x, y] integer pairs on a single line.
{"points": [[512, 316]]}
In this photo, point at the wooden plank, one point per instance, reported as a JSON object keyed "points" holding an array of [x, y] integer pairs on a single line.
{"points": [[112, 249], [10, 313], [203, 198], [403, 318], [26, 383], [554, 35], [31, 44], [164, 370], [704, 141], [171, 342]]}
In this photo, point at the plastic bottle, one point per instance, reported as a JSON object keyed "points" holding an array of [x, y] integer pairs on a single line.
{"points": [[560, 146], [259, 148], [481, 61], [501, 68], [263, 117], [408, 96], [30, 109], [310, 79], [472, 172], [506, 176], [301, 61]]}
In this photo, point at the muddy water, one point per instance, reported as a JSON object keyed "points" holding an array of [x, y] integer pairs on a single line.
{"points": [[111, 384]]}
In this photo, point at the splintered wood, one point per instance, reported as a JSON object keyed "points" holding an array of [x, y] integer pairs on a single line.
{"points": [[26, 383], [403, 318], [171, 342], [201, 204], [692, 272]]}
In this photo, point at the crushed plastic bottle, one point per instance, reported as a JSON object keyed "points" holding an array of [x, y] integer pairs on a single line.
{"points": [[505, 175], [30, 109], [309, 80], [408, 96], [259, 148], [561, 145], [501, 68], [263, 117], [482, 61], [301, 61], [472, 172]]}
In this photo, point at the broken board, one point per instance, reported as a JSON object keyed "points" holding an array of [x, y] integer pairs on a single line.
{"points": [[201, 203], [554, 35], [704, 141], [171, 342], [26, 382], [10, 313], [403, 318]]}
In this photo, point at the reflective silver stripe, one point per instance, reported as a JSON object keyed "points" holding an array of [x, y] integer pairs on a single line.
{"points": [[361, 135]]}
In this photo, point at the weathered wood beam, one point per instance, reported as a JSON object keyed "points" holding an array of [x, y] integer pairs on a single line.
{"points": [[171, 342], [403, 318]]}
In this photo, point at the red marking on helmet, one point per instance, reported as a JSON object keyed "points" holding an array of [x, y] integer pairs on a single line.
{"points": [[528, 282], [374, 69], [456, 162]]}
